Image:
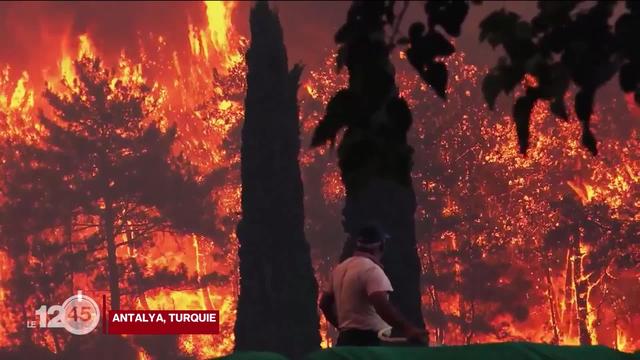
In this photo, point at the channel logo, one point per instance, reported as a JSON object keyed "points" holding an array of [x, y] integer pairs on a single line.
{"points": [[79, 315]]}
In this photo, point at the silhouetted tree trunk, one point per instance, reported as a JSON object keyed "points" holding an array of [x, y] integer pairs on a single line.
{"points": [[441, 323], [567, 318], [582, 295], [391, 205], [374, 156], [551, 298], [108, 219], [550, 294], [20, 277], [278, 292]]}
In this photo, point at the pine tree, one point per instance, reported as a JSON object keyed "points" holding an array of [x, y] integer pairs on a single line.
{"points": [[104, 169]]}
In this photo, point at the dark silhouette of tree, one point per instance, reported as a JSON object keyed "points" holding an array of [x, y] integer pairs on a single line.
{"points": [[105, 171], [564, 43], [278, 292], [374, 157], [28, 209]]}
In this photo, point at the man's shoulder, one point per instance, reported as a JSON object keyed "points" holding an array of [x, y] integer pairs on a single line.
{"points": [[359, 262]]}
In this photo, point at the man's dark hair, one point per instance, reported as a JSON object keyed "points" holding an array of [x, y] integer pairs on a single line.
{"points": [[370, 237]]}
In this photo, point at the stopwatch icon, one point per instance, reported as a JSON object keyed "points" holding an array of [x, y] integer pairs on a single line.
{"points": [[81, 314]]}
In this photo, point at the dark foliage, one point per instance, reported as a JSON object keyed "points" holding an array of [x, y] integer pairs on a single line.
{"points": [[565, 43], [374, 157], [375, 118]]}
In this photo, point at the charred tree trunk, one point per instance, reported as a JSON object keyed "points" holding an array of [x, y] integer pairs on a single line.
{"points": [[392, 206], [470, 324], [137, 272], [582, 294], [441, 322], [567, 314], [553, 312], [68, 237], [551, 295], [278, 292], [108, 220], [375, 158], [204, 289], [21, 293]]}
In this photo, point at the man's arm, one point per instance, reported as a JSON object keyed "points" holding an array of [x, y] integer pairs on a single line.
{"points": [[327, 305], [388, 313], [378, 286]]}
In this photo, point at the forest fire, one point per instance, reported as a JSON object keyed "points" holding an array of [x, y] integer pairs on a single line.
{"points": [[552, 237]]}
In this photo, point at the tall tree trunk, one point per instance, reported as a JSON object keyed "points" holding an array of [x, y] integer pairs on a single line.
{"points": [[278, 292], [22, 297], [551, 295], [68, 238], [137, 271], [470, 323], [204, 289], [108, 233], [582, 296], [553, 312], [375, 158], [392, 206], [567, 313], [441, 322]]}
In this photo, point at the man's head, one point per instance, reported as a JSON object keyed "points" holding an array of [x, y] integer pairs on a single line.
{"points": [[371, 239]]}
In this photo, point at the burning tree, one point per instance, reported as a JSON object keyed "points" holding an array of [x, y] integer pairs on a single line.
{"points": [[593, 248], [278, 292], [104, 174], [477, 193], [465, 161], [469, 289]]}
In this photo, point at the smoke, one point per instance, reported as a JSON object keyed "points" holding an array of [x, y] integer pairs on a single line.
{"points": [[37, 33]]}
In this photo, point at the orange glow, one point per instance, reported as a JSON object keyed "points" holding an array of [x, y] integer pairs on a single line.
{"points": [[311, 91], [179, 96], [208, 110], [584, 191], [530, 80], [332, 187], [219, 17], [85, 48], [632, 105], [220, 31]]}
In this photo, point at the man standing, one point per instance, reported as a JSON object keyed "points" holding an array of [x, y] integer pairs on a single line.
{"points": [[356, 300]]}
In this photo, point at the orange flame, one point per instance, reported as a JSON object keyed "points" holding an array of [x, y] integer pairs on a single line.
{"points": [[584, 191], [218, 41], [207, 109]]}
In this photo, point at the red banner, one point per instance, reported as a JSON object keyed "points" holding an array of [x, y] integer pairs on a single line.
{"points": [[163, 322]]}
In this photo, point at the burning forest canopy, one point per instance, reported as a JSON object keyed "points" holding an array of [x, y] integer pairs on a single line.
{"points": [[512, 247]]}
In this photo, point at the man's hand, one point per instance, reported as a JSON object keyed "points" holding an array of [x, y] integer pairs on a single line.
{"points": [[388, 313]]}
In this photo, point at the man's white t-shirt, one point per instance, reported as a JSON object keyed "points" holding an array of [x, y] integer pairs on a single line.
{"points": [[351, 282]]}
